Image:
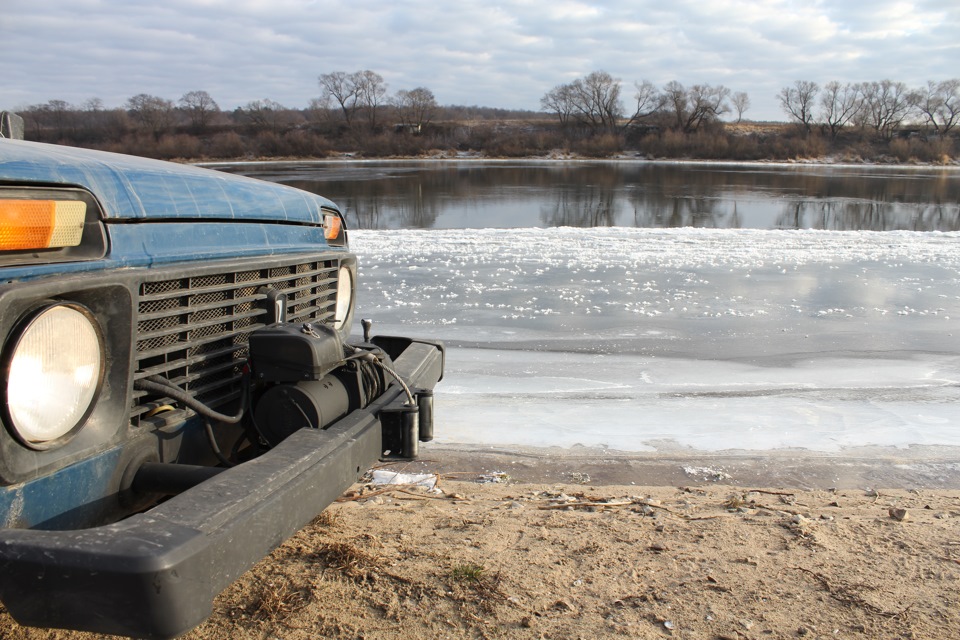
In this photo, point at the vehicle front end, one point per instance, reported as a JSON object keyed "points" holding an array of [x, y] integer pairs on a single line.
{"points": [[181, 392]]}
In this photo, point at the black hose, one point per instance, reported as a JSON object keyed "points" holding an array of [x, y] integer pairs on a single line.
{"points": [[167, 388], [214, 446], [163, 386]]}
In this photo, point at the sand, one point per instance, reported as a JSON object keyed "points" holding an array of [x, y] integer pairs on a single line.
{"points": [[487, 554]]}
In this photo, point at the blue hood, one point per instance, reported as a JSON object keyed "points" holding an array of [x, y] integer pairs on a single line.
{"points": [[129, 187]]}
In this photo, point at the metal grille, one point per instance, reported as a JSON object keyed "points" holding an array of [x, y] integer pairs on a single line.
{"points": [[194, 330]]}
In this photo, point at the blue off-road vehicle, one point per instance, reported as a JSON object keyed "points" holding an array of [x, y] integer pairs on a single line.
{"points": [[180, 391]]}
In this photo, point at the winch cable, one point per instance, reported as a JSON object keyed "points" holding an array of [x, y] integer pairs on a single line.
{"points": [[368, 356]]}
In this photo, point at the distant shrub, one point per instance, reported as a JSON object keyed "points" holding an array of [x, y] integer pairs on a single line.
{"points": [[178, 146], [599, 146], [900, 149], [306, 144], [227, 145]]}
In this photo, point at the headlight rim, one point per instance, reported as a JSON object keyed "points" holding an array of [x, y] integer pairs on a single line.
{"points": [[21, 327]]}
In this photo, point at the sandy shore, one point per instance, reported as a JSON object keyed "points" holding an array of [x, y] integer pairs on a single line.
{"points": [[916, 467], [512, 545]]}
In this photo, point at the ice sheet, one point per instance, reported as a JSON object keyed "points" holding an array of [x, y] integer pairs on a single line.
{"points": [[639, 339]]}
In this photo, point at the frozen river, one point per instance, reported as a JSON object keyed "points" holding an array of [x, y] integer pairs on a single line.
{"points": [[679, 339], [662, 308]]}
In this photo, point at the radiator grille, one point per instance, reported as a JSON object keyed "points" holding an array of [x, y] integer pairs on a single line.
{"points": [[193, 330]]}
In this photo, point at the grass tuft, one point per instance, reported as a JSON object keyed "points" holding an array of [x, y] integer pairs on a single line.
{"points": [[468, 572]]}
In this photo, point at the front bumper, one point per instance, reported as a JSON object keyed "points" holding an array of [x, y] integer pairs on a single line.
{"points": [[154, 575]]}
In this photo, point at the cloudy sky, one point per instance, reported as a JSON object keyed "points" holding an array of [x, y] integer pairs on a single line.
{"points": [[498, 54]]}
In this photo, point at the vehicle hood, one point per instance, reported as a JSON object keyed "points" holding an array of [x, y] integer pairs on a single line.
{"points": [[129, 187]]}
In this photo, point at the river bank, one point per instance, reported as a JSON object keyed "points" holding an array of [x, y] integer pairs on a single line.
{"points": [[484, 556]]}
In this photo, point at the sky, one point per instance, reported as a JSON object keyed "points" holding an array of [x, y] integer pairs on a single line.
{"points": [[504, 54]]}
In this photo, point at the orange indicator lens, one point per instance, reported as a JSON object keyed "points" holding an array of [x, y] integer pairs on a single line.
{"points": [[41, 224], [331, 227]]}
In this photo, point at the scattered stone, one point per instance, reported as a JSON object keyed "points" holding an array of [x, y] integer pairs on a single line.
{"points": [[659, 547], [898, 513], [564, 605], [497, 477], [707, 473]]}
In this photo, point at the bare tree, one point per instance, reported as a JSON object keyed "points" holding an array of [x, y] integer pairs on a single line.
{"points": [[798, 101], [61, 116], [355, 92], [741, 102], [559, 100], [319, 110], [647, 101], [596, 100], [200, 108], [266, 115], [371, 94], [154, 114], [692, 107], [415, 107], [939, 104], [341, 86], [675, 99], [885, 106], [839, 105], [53, 120], [707, 103], [93, 118]]}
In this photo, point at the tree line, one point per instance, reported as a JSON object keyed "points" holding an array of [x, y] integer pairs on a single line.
{"points": [[595, 102], [884, 106], [591, 116], [354, 113]]}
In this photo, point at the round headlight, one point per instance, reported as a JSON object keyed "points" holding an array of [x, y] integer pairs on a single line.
{"points": [[344, 297], [55, 372]]}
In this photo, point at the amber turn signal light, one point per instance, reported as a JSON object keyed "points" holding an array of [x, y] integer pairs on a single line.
{"points": [[331, 226], [41, 224]]}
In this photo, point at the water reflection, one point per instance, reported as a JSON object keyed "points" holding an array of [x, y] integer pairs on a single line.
{"points": [[478, 194]]}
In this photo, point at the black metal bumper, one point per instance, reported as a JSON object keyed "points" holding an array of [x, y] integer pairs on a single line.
{"points": [[154, 575]]}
